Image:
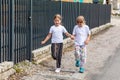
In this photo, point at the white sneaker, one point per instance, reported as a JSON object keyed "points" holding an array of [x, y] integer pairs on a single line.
{"points": [[57, 70]]}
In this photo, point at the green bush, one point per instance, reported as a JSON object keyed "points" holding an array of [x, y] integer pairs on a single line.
{"points": [[101, 1]]}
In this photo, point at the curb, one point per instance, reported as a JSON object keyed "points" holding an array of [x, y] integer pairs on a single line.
{"points": [[6, 69], [100, 28]]}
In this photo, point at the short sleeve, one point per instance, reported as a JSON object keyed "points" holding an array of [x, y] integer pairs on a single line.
{"points": [[64, 29], [74, 30], [51, 29], [88, 30]]}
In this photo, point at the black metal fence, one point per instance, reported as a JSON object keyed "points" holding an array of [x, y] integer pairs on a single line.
{"points": [[24, 23], [15, 31]]}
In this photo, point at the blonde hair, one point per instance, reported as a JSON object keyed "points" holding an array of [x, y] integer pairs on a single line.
{"points": [[58, 16], [80, 19]]}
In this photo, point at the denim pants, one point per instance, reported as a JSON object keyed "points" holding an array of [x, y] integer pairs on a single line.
{"points": [[80, 54], [56, 49]]}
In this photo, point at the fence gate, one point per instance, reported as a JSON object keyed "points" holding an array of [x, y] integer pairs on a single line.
{"points": [[15, 30]]}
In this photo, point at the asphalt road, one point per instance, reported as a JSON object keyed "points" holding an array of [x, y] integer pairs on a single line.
{"points": [[111, 70], [107, 59]]}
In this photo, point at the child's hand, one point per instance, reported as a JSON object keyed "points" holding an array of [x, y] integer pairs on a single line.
{"points": [[42, 42], [72, 37], [86, 42]]}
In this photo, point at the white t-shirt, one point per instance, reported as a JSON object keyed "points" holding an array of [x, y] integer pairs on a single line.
{"points": [[57, 33], [81, 34]]}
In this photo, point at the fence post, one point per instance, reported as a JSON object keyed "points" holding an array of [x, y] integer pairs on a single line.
{"points": [[0, 28], [11, 35], [29, 51], [31, 30], [61, 7]]}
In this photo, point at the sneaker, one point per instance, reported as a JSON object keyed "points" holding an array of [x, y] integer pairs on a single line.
{"points": [[77, 64], [57, 70], [81, 70]]}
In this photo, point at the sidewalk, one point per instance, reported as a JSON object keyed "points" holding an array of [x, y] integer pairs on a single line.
{"points": [[68, 72], [97, 50]]}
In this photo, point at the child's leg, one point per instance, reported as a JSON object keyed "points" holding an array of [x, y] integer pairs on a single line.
{"points": [[83, 57], [54, 50], [77, 53], [59, 54], [77, 56]]}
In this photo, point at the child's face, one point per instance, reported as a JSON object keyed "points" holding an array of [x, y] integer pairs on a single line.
{"points": [[80, 23], [57, 21]]}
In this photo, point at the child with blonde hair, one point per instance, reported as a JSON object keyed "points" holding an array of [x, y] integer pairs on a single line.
{"points": [[81, 35]]}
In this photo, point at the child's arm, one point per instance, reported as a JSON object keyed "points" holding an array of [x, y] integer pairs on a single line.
{"points": [[47, 38], [88, 39], [68, 34]]}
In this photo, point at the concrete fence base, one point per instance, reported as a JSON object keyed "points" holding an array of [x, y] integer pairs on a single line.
{"points": [[6, 69], [100, 28]]}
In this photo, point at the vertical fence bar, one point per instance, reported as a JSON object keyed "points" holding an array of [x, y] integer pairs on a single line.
{"points": [[8, 31], [0, 29], [3, 24], [11, 44], [5, 29], [16, 29], [30, 32], [61, 7]]}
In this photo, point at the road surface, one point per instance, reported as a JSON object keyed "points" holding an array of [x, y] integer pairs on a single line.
{"points": [[107, 64]]}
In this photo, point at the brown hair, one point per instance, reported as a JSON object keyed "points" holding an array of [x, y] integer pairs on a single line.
{"points": [[58, 16], [80, 19]]}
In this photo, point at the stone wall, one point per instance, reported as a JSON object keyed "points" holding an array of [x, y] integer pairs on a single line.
{"points": [[6, 69]]}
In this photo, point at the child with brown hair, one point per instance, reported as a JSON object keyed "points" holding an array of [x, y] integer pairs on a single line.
{"points": [[56, 32]]}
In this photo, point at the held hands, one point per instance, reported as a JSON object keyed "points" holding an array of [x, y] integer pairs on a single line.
{"points": [[72, 37]]}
